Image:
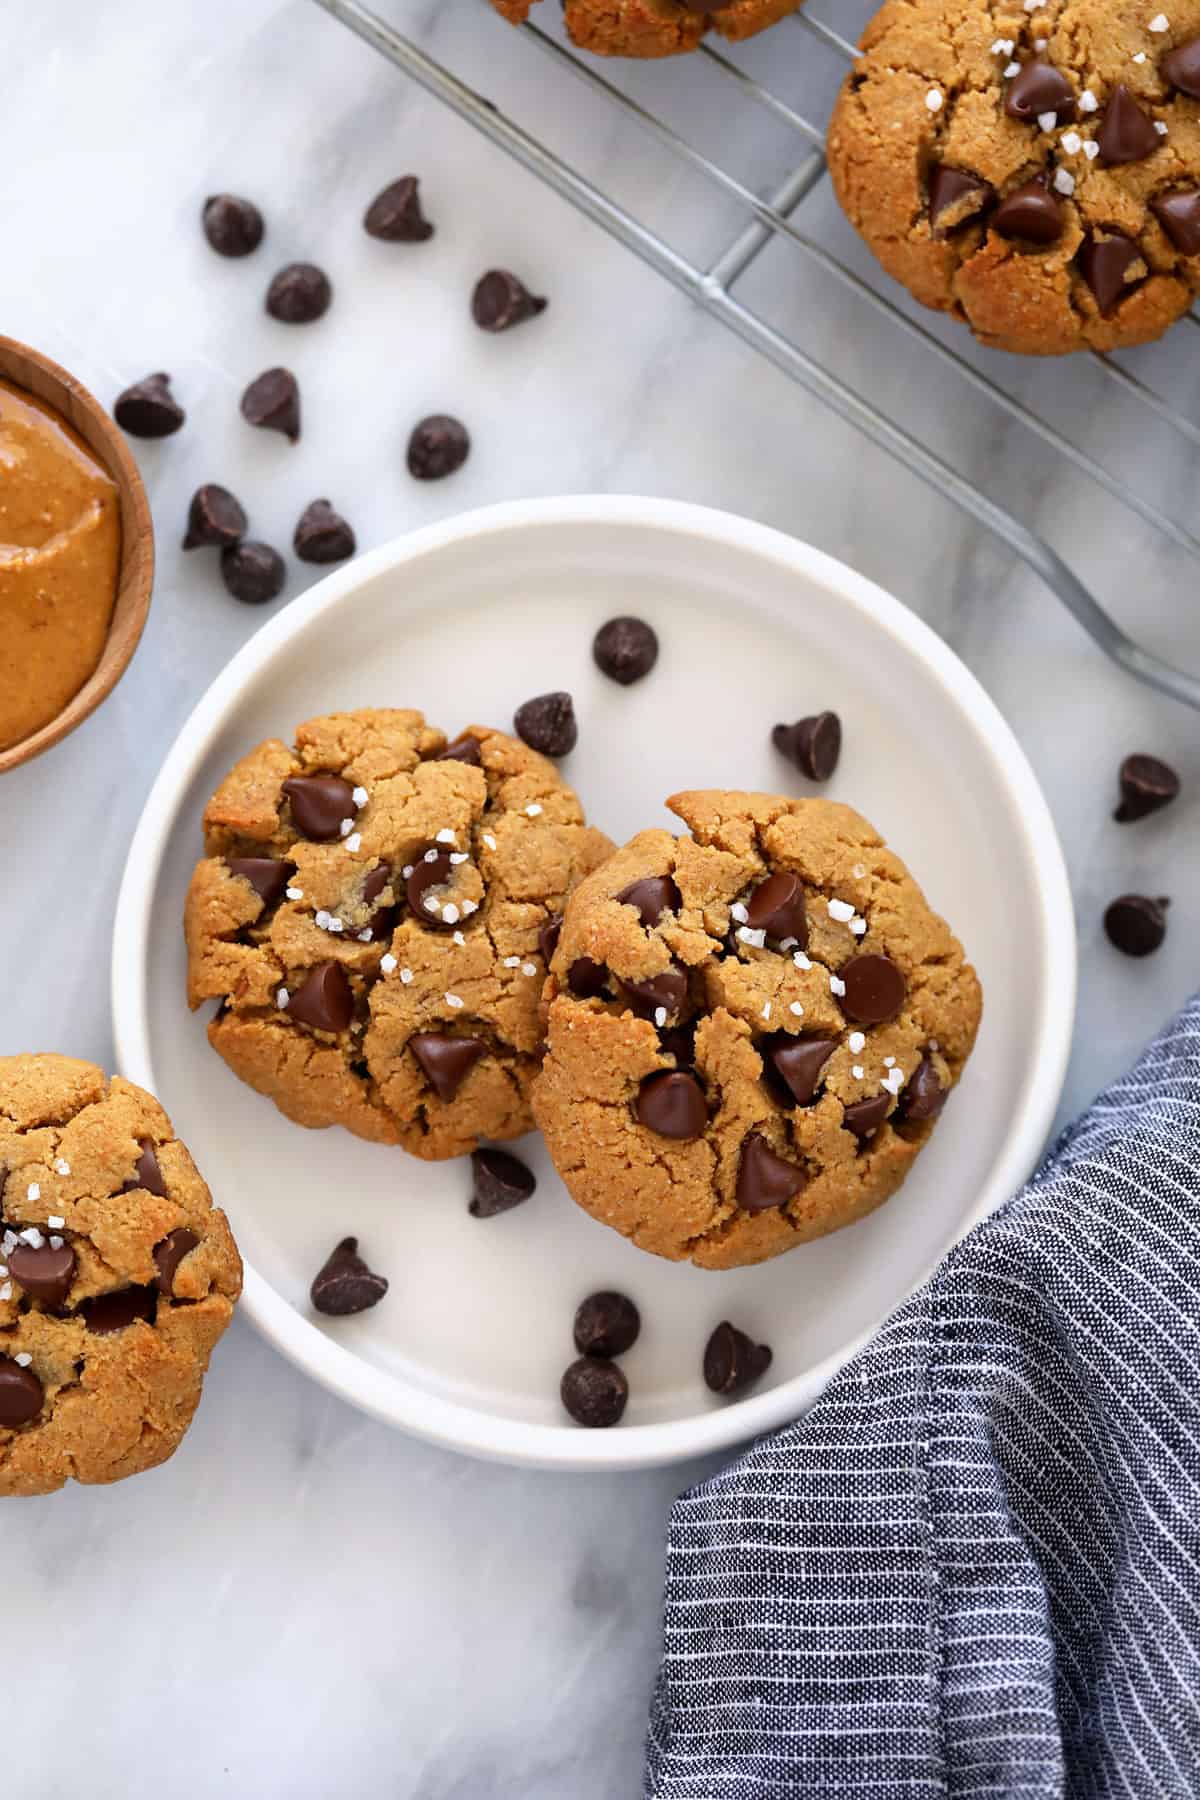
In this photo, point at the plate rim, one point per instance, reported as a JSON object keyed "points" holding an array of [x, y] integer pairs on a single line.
{"points": [[386, 1395]]}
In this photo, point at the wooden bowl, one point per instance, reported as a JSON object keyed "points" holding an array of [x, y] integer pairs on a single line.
{"points": [[28, 369]]}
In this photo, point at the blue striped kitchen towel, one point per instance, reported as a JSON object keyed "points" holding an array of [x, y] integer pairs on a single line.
{"points": [[974, 1568]]}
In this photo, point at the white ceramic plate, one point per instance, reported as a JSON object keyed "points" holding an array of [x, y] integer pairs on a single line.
{"points": [[465, 620]]}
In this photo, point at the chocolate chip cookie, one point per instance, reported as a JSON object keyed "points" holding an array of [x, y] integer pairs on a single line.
{"points": [[752, 1029], [649, 28], [117, 1277], [369, 916], [1034, 169]]}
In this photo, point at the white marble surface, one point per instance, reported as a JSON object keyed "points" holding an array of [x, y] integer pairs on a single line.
{"points": [[303, 1603]]}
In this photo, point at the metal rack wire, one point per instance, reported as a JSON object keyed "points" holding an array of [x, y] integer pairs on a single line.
{"points": [[772, 219]]}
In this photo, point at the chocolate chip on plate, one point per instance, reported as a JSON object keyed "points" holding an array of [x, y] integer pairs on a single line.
{"points": [[272, 402], [672, 1104], [446, 1060], [148, 409], [116, 1311], [875, 989], [214, 517], [437, 447], [625, 650], [814, 744], [1136, 924], [502, 1181], [764, 1179], [169, 1252], [776, 906], [254, 573], [344, 1284], [924, 1096], [1147, 784], [732, 1360], [45, 1273], [146, 1173], [233, 226], [864, 1117], [395, 214], [501, 301], [299, 294], [606, 1324], [798, 1061], [594, 1392], [652, 897], [324, 1000], [547, 723], [320, 805], [21, 1394], [464, 749], [323, 535], [267, 875]]}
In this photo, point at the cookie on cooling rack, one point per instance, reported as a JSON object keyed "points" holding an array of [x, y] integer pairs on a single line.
{"points": [[648, 28], [1035, 171], [752, 1029], [370, 914]]}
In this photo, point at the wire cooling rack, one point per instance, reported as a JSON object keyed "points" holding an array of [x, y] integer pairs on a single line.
{"points": [[774, 219]]}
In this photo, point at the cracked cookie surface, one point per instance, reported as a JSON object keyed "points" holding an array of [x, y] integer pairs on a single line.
{"points": [[1034, 172], [652, 28], [118, 1277], [752, 1029], [368, 915]]}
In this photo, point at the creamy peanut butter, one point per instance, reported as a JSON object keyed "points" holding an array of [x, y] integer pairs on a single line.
{"points": [[60, 551]]}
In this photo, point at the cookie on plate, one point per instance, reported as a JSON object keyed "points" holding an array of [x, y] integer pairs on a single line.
{"points": [[1035, 172], [118, 1277], [752, 1029], [368, 914], [649, 28]]}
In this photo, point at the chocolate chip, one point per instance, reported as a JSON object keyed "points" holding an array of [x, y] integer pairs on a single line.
{"points": [[146, 1173], [1146, 786], [267, 875], [672, 1105], [272, 402], [1126, 133], [1039, 88], [547, 723], [732, 1360], [148, 409], [107, 1313], [1136, 924], [864, 1117], [322, 535], [299, 294], [777, 907], [587, 979], [798, 1061], [1030, 212], [446, 1060], [594, 1392], [464, 749], [814, 745], [875, 989], [320, 805], [924, 1096], [764, 1179], [1111, 264], [606, 1324], [625, 650], [501, 301], [344, 1284], [955, 197], [667, 993], [1181, 68], [169, 1252], [1179, 215], [253, 573], [431, 869], [324, 1000], [437, 447], [233, 226], [395, 214], [21, 1394], [679, 1041], [548, 938], [214, 517], [46, 1273], [652, 897], [501, 1182]]}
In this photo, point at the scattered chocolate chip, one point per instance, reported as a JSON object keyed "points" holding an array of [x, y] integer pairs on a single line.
{"points": [[106, 1313], [320, 805], [46, 1273], [272, 402], [446, 1060], [324, 1000], [1181, 68], [864, 1117], [667, 993], [1126, 133], [267, 875], [21, 1394], [777, 907], [1039, 88], [253, 573], [501, 301], [625, 650], [814, 745], [148, 409], [214, 517], [652, 897], [672, 1104], [924, 1096], [548, 938], [169, 1252], [732, 1360], [146, 1173], [1147, 785], [955, 197], [299, 294], [1031, 212], [594, 1392], [464, 749], [606, 1325], [437, 447], [1178, 213], [344, 1284], [322, 535], [395, 214], [798, 1061], [547, 723], [764, 1179], [875, 989], [587, 979], [233, 226], [1136, 924], [432, 869], [501, 1182], [1111, 264]]}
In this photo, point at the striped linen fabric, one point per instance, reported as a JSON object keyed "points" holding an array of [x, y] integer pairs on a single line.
{"points": [[973, 1569]]}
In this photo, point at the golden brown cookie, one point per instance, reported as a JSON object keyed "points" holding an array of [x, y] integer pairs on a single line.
{"points": [[118, 1276], [1035, 172], [752, 1029], [368, 914], [650, 28]]}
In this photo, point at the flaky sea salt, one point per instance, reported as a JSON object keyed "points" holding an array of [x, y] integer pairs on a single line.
{"points": [[388, 964], [446, 836], [837, 985], [857, 1041], [1088, 101], [359, 797], [453, 1001], [55, 1222], [33, 1191], [354, 842], [1064, 181], [841, 910], [934, 100], [62, 1166], [533, 810], [406, 976]]}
